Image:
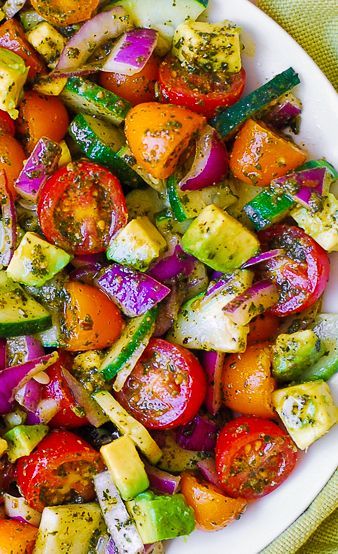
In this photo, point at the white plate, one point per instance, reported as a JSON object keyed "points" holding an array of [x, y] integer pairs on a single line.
{"points": [[274, 51]]}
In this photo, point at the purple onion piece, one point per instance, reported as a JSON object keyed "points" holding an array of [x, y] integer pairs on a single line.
{"points": [[306, 183], [3, 355], [216, 275], [215, 288], [7, 222], [23, 349], [17, 508], [29, 395], [212, 363], [155, 548], [131, 52], [254, 301], [210, 164], [44, 412], [162, 481], [96, 31], [14, 378], [169, 308], [42, 163], [111, 547], [281, 114], [207, 468], [86, 260], [172, 265], [85, 274], [134, 292], [263, 257], [198, 435]]}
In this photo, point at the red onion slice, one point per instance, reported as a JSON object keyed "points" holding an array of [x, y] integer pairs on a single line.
{"points": [[29, 395], [42, 163], [215, 288], [19, 509], [131, 52], [306, 182], [162, 481], [198, 435], [93, 412], [212, 363], [173, 264], [23, 349], [95, 32], [7, 222], [254, 301], [211, 163], [263, 257], [282, 113], [207, 468]]}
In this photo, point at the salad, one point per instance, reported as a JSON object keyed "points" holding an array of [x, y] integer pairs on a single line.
{"points": [[164, 248]]}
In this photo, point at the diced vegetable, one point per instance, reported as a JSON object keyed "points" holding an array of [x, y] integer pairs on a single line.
{"points": [[219, 240], [22, 349], [199, 434], [325, 327], [320, 225], [8, 231], [121, 528], [254, 301], [212, 363], [131, 52], [23, 439], [228, 121], [263, 257], [173, 264], [308, 411], [129, 425], [145, 201], [134, 292], [294, 353], [267, 208], [12, 7], [283, 112], [42, 163], [125, 467], [208, 470], [47, 41], [17, 508], [13, 74], [174, 458], [162, 481]]}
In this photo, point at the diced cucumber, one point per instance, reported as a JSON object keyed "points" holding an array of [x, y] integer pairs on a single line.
{"points": [[168, 225], [29, 19], [128, 425], [189, 204], [22, 440], [67, 529], [122, 357], [100, 142], [176, 459], [326, 329], [145, 201], [81, 95], [293, 353], [47, 41], [20, 314], [228, 120], [308, 411], [164, 16], [268, 208]]}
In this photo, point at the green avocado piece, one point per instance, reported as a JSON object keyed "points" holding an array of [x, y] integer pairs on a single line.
{"points": [[293, 353], [13, 75], [36, 261], [137, 245], [22, 440], [218, 240], [160, 518]]}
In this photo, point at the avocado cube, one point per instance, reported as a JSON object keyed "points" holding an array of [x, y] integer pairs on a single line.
{"points": [[125, 467], [219, 240], [36, 261], [13, 75], [322, 226], [22, 440], [160, 518], [293, 353], [307, 410], [210, 46], [47, 41], [137, 245]]}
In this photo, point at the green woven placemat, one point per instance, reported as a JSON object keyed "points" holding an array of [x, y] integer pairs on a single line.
{"points": [[314, 24]]}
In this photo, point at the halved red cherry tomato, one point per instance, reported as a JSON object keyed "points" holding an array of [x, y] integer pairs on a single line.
{"points": [[302, 272], [60, 469], [201, 91], [166, 388], [136, 88], [7, 126], [253, 457], [81, 206], [57, 388]]}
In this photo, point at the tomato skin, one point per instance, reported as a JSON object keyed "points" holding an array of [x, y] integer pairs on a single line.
{"points": [[65, 12], [33, 123], [40, 474], [263, 327], [57, 389], [12, 157], [7, 126], [166, 388], [12, 37], [75, 202], [92, 320], [17, 537], [158, 134], [247, 381], [248, 446], [212, 509], [260, 155], [136, 88], [302, 272], [198, 91]]}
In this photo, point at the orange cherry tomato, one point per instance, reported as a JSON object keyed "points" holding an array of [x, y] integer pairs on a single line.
{"points": [[213, 510], [158, 134], [16, 537], [92, 321], [65, 12], [136, 88], [247, 381], [12, 157], [12, 37], [260, 155], [41, 116], [7, 126], [263, 327]]}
